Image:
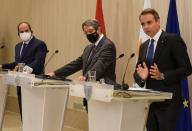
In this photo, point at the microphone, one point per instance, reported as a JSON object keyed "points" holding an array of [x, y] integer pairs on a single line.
{"points": [[44, 76], [120, 56], [56, 51], [3, 46], [125, 86], [111, 82]]}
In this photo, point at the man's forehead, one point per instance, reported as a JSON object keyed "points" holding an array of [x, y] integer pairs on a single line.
{"points": [[23, 25], [88, 28], [147, 16]]}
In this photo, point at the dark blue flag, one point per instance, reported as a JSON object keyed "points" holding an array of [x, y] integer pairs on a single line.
{"points": [[184, 122]]}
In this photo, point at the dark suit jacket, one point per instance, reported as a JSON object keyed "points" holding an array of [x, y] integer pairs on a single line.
{"points": [[103, 62], [34, 56], [172, 59]]}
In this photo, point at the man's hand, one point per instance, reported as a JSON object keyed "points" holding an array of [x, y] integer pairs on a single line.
{"points": [[154, 72], [16, 68], [142, 71], [81, 78], [51, 74]]}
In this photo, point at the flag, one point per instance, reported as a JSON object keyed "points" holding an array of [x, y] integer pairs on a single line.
{"points": [[184, 122], [99, 16]]}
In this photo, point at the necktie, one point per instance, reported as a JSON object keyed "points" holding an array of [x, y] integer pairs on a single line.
{"points": [[150, 52], [93, 51], [23, 49]]}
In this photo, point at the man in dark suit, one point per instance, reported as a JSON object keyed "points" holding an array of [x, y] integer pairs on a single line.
{"points": [[163, 62], [98, 56], [30, 51]]}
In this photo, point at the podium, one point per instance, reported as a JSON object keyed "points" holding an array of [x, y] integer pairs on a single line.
{"points": [[43, 101], [3, 97], [120, 111]]}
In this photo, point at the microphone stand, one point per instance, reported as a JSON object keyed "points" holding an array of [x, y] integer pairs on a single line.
{"points": [[56, 51], [124, 85]]}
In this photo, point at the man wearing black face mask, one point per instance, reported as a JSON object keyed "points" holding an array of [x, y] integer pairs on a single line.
{"points": [[98, 56]]}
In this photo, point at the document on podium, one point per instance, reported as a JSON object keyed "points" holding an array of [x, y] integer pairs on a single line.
{"points": [[144, 90], [140, 93]]}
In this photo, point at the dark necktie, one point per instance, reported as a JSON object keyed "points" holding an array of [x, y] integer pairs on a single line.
{"points": [[23, 49], [93, 51], [150, 52]]}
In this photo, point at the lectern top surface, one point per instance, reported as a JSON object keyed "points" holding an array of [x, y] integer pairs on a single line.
{"points": [[143, 94]]}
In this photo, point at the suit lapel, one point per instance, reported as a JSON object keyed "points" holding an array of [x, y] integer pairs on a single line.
{"points": [[88, 52], [144, 50], [99, 45], [86, 57], [160, 44], [97, 50], [27, 50]]}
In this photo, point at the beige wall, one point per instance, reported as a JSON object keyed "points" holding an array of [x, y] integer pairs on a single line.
{"points": [[58, 23]]}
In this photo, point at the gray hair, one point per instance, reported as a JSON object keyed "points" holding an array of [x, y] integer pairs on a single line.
{"points": [[91, 22]]}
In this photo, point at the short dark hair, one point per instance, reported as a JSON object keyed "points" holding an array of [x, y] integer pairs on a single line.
{"points": [[27, 25], [150, 11], [91, 22]]}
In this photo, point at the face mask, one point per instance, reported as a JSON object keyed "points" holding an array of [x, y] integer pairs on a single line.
{"points": [[25, 36], [93, 37]]}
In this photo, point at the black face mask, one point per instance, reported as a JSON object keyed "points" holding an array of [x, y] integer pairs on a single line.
{"points": [[93, 37]]}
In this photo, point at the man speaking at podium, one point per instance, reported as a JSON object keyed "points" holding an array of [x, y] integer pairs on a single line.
{"points": [[99, 56], [163, 62], [31, 51]]}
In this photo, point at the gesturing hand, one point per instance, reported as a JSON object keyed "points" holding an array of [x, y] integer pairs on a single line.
{"points": [[142, 71], [154, 72]]}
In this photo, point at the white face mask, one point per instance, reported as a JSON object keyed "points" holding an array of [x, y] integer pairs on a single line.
{"points": [[25, 36]]}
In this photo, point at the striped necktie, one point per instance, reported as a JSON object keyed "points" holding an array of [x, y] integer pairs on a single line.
{"points": [[150, 52]]}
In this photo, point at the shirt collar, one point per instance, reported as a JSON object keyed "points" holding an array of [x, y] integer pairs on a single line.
{"points": [[157, 35], [100, 37]]}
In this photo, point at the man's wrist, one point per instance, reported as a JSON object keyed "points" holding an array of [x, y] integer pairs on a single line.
{"points": [[162, 76]]}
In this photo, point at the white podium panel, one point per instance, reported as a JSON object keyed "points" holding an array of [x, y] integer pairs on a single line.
{"points": [[118, 115], [43, 101], [110, 110], [3, 97], [91, 90], [123, 114], [44, 108]]}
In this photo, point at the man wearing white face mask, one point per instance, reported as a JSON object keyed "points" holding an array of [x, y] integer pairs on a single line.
{"points": [[30, 51]]}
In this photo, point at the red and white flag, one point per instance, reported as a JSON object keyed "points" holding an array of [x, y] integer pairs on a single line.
{"points": [[99, 16]]}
